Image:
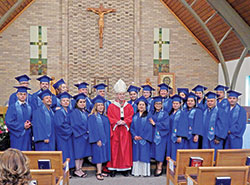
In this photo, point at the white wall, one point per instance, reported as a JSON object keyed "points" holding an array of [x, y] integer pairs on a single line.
{"points": [[241, 81]]}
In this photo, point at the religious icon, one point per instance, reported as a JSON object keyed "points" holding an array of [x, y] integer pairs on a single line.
{"points": [[169, 79], [101, 11]]}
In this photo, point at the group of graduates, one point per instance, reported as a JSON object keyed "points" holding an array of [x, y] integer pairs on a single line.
{"points": [[122, 135]]}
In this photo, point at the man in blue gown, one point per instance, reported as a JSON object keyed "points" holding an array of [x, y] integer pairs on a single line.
{"points": [[18, 121], [43, 125], [133, 93], [215, 124], [222, 102], [23, 81], [147, 93], [44, 84], [237, 121]]}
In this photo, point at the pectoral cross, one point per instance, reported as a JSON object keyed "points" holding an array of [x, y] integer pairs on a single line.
{"points": [[101, 11]]}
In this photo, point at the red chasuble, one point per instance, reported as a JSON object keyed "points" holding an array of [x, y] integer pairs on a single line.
{"points": [[121, 142]]}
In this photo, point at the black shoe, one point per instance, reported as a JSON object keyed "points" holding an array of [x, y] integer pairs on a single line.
{"points": [[125, 174], [112, 173], [157, 174]]}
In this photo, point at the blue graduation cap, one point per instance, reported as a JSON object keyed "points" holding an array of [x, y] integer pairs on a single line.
{"points": [[211, 95], [133, 88], [232, 93], [147, 88], [58, 83], [98, 99], [80, 96], [176, 97], [44, 78], [64, 95], [82, 85], [22, 78], [164, 86], [22, 88], [157, 99], [221, 88], [100, 86], [199, 88], [183, 90], [45, 93], [143, 99], [192, 95]]}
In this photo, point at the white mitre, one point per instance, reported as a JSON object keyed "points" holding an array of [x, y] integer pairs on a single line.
{"points": [[120, 86]]}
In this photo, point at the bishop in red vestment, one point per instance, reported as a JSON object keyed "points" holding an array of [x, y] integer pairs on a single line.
{"points": [[120, 115]]}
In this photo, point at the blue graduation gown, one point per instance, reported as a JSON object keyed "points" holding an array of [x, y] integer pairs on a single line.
{"points": [[13, 98], [167, 104], [64, 136], [215, 126], [195, 125], [141, 126], [224, 104], [99, 130], [202, 105], [133, 105], [160, 134], [79, 124], [43, 128], [150, 106], [36, 101], [179, 128], [237, 127], [16, 116], [106, 104]]}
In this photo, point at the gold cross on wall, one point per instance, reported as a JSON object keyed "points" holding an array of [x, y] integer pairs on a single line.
{"points": [[101, 11]]}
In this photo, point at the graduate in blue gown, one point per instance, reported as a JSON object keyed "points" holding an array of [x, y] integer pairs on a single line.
{"points": [[164, 93], [237, 122], [83, 88], [195, 119], [215, 124], [43, 124], [18, 120], [99, 135], [147, 93], [141, 131], [60, 87], [178, 126], [161, 129], [23, 81], [222, 102], [44, 84], [199, 91], [183, 92], [101, 90], [79, 123], [133, 94], [63, 129]]}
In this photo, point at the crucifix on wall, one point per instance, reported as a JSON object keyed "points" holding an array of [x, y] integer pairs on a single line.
{"points": [[101, 11]]}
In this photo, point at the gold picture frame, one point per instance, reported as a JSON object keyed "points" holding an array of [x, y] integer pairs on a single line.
{"points": [[169, 79], [105, 80]]}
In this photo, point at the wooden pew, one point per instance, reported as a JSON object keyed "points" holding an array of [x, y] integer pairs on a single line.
{"points": [[232, 157], [176, 169], [55, 157], [207, 175], [45, 177]]}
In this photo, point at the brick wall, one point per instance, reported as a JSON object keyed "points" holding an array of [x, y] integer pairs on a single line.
{"points": [[73, 45]]}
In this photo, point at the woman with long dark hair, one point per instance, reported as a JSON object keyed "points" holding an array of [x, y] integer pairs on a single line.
{"points": [[141, 131], [179, 127], [195, 120], [79, 122], [160, 122]]}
